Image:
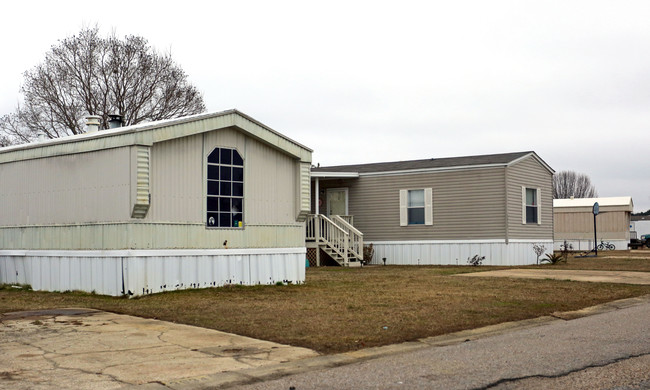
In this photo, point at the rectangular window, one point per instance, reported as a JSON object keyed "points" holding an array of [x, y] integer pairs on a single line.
{"points": [[416, 207], [225, 188], [531, 206]]}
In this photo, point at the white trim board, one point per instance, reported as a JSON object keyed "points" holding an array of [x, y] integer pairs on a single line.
{"points": [[153, 252], [486, 241]]}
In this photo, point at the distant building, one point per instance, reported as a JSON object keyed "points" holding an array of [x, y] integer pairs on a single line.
{"points": [[640, 225], [574, 221]]}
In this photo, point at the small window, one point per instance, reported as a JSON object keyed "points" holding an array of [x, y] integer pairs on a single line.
{"points": [[415, 207], [532, 206], [225, 189]]}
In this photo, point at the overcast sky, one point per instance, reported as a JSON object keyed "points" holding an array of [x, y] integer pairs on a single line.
{"points": [[368, 81]]}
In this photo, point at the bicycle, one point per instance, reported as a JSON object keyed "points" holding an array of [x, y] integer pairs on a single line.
{"points": [[606, 245]]}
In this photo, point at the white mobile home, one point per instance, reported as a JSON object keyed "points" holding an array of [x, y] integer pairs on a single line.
{"points": [[574, 221], [437, 211], [199, 201]]}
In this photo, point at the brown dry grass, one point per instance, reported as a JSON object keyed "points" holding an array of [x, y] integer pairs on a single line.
{"points": [[635, 260], [343, 309]]}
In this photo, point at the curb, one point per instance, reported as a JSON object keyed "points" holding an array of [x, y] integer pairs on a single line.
{"points": [[227, 380]]}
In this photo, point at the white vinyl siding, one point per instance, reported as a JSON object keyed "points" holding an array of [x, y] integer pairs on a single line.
{"points": [[416, 207]]}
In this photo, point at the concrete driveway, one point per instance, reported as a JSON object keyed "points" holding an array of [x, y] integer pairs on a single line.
{"points": [[90, 349], [627, 277]]}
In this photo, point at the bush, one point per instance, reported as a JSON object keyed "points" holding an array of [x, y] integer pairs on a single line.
{"points": [[565, 249], [553, 258], [368, 253], [476, 260]]}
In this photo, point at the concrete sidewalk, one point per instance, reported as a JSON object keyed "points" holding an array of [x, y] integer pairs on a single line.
{"points": [[90, 349], [627, 277]]}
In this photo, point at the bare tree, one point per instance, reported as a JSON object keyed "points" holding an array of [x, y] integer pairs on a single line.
{"points": [[569, 183], [87, 74]]}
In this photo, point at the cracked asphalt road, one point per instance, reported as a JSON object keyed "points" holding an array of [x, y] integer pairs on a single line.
{"points": [[610, 350]]}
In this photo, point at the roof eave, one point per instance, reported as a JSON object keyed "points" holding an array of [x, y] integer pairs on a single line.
{"points": [[334, 175], [150, 133]]}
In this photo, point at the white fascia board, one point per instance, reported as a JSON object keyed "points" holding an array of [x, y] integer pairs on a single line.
{"points": [[149, 133], [343, 175], [154, 252], [427, 170]]}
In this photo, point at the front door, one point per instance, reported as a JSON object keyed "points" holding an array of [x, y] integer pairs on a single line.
{"points": [[337, 201]]}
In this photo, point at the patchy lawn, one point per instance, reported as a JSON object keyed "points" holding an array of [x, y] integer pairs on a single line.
{"points": [[635, 260], [343, 309]]}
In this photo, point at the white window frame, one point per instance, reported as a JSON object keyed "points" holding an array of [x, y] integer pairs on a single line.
{"points": [[538, 195], [428, 206]]}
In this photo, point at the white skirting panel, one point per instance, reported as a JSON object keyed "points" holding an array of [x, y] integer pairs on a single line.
{"points": [[496, 252], [138, 272], [587, 245]]}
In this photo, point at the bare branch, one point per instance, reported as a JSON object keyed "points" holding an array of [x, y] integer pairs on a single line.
{"points": [[567, 184], [87, 74]]}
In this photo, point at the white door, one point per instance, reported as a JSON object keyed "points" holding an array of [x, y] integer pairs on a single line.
{"points": [[337, 201]]}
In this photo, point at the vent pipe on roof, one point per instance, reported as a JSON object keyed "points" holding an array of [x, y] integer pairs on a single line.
{"points": [[41, 136], [92, 123], [115, 121]]}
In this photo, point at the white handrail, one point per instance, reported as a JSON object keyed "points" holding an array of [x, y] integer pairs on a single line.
{"points": [[322, 230], [356, 237]]}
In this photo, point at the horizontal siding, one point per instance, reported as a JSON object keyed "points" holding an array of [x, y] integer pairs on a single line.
{"points": [[77, 188], [110, 236], [610, 225], [466, 204], [531, 174]]}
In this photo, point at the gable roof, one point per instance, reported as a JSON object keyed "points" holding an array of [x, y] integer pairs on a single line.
{"points": [[488, 160], [153, 132]]}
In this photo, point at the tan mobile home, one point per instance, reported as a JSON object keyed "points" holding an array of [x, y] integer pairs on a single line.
{"points": [[574, 221], [199, 201], [441, 211]]}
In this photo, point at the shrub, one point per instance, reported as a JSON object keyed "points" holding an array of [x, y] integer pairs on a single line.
{"points": [[476, 260], [368, 253], [565, 249], [539, 250], [553, 258]]}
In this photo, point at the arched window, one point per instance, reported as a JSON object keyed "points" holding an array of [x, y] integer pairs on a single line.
{"points": [[225, 200]]}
